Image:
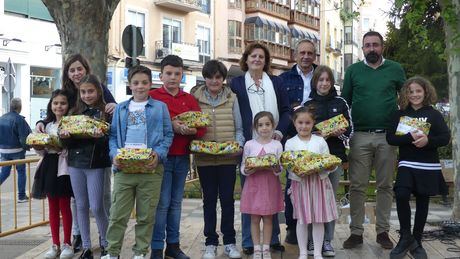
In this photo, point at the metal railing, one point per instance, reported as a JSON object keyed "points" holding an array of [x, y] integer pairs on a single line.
{"points": [[29, 223]]}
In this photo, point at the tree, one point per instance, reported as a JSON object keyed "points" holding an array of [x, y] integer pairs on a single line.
{"points": [[450, 12], [83, 27], [416, 57]]}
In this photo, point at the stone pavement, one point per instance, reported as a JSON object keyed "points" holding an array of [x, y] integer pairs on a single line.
{"points": [[35, 242]]}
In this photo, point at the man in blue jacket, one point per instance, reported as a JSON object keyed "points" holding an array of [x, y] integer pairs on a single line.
{"points": [[14, 131], [297, 79], [297, 83]]}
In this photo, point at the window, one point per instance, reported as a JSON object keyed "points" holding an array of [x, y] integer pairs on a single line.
{"points": [[203, 40], [43, 81], [236, 4], [172, 30], [205, 6], [348, 60], [234, 37], [138, 19], [348, 35], [29, 8], [365, 24]]}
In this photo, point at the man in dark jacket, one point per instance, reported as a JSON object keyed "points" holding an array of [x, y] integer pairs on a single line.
{"points": [[297, 84], [14, 131], [297, 79]]}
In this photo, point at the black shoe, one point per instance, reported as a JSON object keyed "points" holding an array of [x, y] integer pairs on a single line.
{"points": [[103, 251], [248, 250], [156, 254], [174, 251], [76, 243], [291, 237], [353, 241], [406, 243], [86, 254], [419, 252], [277, 247]]}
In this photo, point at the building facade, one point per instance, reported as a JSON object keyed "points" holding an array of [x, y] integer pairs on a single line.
{"points": [[332, 34]]}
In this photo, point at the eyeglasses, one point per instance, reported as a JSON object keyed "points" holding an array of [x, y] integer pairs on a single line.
{"points": [[253, 89]]}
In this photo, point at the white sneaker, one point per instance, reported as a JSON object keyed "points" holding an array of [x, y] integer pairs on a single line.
{"points": [[210, 252], [231, 251], [266, 254], [66, 252], [107, 256], [53, 252], [137, 257]]}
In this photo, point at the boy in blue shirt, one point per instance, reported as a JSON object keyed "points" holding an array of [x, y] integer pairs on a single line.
{"points": [[139, 122]]}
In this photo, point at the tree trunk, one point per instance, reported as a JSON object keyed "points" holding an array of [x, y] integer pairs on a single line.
{"points": [[452, 30], [83, 27]]}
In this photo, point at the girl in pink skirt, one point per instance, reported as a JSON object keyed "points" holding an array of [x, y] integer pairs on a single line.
{"points": [[262, 196], [312, 195]]}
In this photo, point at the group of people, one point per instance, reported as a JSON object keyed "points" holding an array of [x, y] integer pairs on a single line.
{"points": [[265, 114]]}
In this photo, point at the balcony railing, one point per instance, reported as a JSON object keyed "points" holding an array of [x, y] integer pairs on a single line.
{"points": [[276, 50], [338, 48], [187, 51], [235, 4], [304, 19], [180, 5], [269, 7]]}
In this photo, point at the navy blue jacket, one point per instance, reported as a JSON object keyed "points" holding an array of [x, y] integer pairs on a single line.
{"points": [[239, 88], [13, 131], [293, 83], [329, 106]]}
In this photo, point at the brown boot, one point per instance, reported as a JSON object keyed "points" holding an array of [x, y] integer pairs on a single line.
{"points": [[353, 241], [384, 240]]}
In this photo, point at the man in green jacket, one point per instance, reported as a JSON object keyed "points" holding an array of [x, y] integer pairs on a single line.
{"points": [[370, 88]]}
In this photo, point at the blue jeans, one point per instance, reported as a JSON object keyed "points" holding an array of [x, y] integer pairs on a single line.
{"points": [[21, 170], [246, 226], [218, 181], [167, 218]]}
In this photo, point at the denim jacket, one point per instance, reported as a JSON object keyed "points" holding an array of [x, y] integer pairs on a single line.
{"points": [[159, 128], [13, 131]]}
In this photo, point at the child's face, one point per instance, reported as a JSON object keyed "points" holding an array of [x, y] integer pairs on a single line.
{"points": [[324, 84], [416, 95], [171, 77], [59, 105], [265, 127], [76, 72], [304, 124], [215, 83], [140, 86], [88, 93]]}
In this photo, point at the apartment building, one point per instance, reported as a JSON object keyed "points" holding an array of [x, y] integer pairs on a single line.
{"points": [[279, 24], [332, 33], [34, 55], [181, 27], [352, 35]]}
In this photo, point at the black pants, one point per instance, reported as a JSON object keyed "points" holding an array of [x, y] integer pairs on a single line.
{"points": [[218, 181], [404, 212], [288, 210]]}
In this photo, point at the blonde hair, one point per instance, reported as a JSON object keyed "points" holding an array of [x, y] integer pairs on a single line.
{"points": [[430, 93]]}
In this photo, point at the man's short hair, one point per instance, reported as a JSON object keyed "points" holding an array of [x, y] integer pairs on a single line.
{"points": [[16, 105], [171, 60], [373, 33], [296, 49]]}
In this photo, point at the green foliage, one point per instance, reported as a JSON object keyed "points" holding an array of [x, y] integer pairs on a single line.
{"points": [[419, 46]]}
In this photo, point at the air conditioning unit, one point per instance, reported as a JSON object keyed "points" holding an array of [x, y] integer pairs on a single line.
{"points": [[161, 53]]}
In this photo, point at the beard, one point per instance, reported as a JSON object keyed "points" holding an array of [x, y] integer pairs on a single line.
{"points": [[372, 57]]}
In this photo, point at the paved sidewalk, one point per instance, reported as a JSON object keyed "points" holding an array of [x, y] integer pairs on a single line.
{"points": [[36, 242]]}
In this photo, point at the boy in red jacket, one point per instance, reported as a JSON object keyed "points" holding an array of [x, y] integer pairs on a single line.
{"points": [[168, 212]]}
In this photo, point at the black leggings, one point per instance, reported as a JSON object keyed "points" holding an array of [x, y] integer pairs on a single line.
{"points": [[404, 212]]}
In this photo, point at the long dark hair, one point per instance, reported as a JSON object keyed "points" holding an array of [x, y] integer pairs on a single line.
{"points": [[80, 106], [50, 117], [66, 82]]}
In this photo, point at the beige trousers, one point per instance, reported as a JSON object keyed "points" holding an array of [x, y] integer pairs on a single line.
{"points": [[371, 151]]}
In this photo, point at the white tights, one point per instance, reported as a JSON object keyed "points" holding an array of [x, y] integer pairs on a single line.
{"points": [[318, 236]]}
